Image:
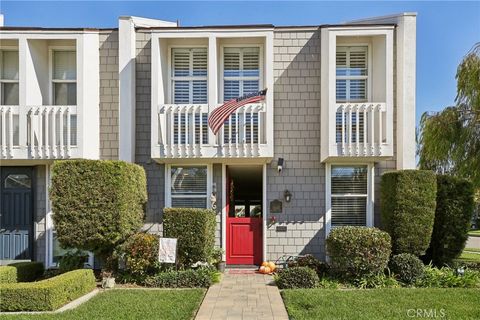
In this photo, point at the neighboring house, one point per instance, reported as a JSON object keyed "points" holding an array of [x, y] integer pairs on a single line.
{"points": [[339, 112]]}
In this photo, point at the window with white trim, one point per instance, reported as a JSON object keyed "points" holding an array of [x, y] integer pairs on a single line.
{"points": [[9, 77], [352, 74], [189, 75], [349, 195], [64, 78], [188, 186], [241, 71]]}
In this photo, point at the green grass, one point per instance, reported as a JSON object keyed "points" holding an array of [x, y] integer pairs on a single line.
{"points": [[466, 256], [381, 303], [131, 304], [475, 233], [472, 249]]}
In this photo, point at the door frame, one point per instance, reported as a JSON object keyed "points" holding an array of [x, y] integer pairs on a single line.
{"points": [[264, 208], [33, 174]]}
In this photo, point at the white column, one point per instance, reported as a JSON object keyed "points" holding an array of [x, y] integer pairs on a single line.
{"points": [[212, 80], [126, 66], [88, 82], [269, 83], [406, 64]]}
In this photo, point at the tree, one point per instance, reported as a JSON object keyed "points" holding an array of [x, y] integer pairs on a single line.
{"points": [[449, 141], [97, 204]]}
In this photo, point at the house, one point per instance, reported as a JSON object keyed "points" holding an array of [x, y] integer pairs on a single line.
{"points": [[339, 111]]}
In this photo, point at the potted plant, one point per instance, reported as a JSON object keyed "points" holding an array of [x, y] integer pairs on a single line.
{"points": [[218, 259]]}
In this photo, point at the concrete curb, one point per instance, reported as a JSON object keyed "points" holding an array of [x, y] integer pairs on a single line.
{"points": [[69, 306]]}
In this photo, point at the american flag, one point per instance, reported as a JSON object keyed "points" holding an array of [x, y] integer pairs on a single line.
{"points": [[220, 114]]}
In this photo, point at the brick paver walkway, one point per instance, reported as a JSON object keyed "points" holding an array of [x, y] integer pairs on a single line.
{"points": [[243, 295]]}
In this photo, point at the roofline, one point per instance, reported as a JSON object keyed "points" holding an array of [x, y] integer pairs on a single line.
{"points": [[241, 26], [8, 28]]}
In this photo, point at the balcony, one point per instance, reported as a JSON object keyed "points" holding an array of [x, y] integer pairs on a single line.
{"points": [[182, 132], [39, 132], [361, 130]]}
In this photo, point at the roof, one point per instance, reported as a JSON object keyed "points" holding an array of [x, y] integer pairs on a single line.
{"points": [[52, 29]]}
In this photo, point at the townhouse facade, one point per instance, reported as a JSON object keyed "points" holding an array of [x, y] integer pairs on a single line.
{"points": [[338, 113]]}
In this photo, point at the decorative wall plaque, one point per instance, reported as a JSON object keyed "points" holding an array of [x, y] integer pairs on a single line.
{"points": [[281, 229], [276, 206]]}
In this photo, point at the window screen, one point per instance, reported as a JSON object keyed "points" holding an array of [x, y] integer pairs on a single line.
{"points": [[9, 90], [64, 76]]}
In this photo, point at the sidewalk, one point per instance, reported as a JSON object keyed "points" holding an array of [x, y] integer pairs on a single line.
{"points": [[243, 294]]}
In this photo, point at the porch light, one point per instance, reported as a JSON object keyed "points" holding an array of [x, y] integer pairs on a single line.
{"points": [[280, 165], [287, 196]]}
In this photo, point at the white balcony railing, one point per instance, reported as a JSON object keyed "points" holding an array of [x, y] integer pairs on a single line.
{"points": [[361, 130], [183, 132], [38, 132]]}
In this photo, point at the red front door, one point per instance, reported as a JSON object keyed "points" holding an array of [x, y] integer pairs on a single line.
{"points": [[244, 240]]}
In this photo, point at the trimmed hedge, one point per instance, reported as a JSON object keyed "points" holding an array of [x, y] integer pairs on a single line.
{"points": [[195, 231], [97, 203], [297, 278], [455, 205], [199, 278], [321, 268], [408, 199], [407, 267], [28, 271], [46, 295], [358, 251], [8, 274]]}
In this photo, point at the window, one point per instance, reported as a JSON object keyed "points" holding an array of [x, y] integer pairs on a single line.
{"points": [[58, 252], [18, 181], [349, 195], [189, 75], [188, 186], [64, 78], [352, 74], [9, 77], [241, 71]]}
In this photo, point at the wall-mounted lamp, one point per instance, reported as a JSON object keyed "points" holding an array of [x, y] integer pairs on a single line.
{"points": [[280, 165], [287, 196]]}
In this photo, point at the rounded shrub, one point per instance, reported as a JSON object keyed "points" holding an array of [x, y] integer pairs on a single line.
{"points": [[296, 278], [98, 204], [407, 267], [408, 200], [321, 268], [358, 251], [140, 253], [453, 214]]}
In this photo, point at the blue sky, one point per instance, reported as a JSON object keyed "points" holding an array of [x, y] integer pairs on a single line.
{"points": [[445, 30]]}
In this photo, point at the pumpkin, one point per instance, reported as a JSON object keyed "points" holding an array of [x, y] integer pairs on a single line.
{"points": [[272, 266], [267, 270], [265, 264], [262, 269]]}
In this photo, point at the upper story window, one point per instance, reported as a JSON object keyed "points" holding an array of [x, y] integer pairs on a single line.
{"points": [[64, 77], [349, 195], [9, 77], [241, 71], [352, 74], [189, 75]]}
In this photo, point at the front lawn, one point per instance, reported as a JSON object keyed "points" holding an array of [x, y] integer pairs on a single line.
{"points": [[474, 233], [132, 304], [403, 303], [469, 256]]}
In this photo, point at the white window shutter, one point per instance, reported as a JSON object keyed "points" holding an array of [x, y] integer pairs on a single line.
{"points": [[189, 72]]}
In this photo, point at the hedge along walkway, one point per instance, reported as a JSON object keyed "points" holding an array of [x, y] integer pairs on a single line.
{"points": [[243, 294]]}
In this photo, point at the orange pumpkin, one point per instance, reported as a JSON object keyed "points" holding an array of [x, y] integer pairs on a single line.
{"points": [[272, 266], [262, 269], [267, 270], [264, 264]]}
